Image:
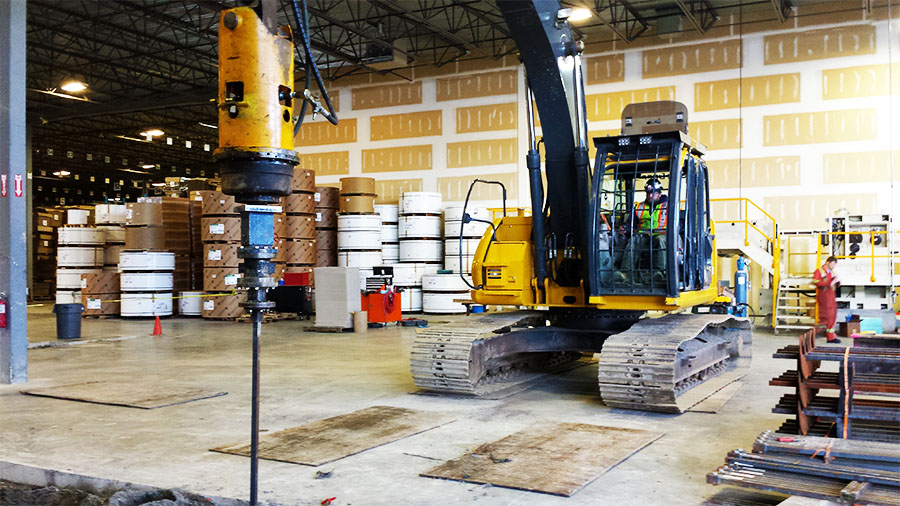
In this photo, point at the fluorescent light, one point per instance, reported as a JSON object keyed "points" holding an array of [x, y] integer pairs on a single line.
{"points": [[207, 125], [155, 132], [61, 173], [73, 86], [580, 14], [157, 184], [148, 166]]}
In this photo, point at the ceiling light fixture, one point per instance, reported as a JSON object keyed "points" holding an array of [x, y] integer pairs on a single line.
{"points": [[61, 173], [155, 132], [73, 86], [148, 166], [579, 14], [207, 125], [157, 184]]}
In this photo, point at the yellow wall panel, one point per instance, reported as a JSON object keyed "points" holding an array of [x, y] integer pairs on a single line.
{"points": [[829, 42], [317, 133], [454, 189], [864, 167], [718, 134], [817, 127], [387, 95], [478, 153], [485, 118], [326, 164], [810, 211], [400, 126], [606, 106], [605, 69], [389, 190], [482, 84], [754, 172], [861, 81], [762, 90], [396, 159], [671, 61]]}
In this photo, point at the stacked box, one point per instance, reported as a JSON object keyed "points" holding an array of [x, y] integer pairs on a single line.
{"points": [[144, 227], [146, 283], [359, 227], [297, 246], [220, 235], [196, 241], [45, 223], [176, 228], [327, 201], [100, 293], [79, 251]]}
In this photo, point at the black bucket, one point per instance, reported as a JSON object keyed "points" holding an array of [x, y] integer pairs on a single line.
{"points": [[68, 320]]}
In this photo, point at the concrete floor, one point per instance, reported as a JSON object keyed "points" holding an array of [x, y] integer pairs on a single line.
{"points": [[310, 376]]}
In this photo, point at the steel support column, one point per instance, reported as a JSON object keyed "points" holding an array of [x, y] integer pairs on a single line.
{"points": [[14, 233]]}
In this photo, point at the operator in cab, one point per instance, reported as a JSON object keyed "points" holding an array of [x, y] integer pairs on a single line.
{"points": [[647, 225]]}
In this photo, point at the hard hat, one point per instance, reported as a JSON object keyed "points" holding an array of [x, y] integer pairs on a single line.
{"points": [[653, 186]]}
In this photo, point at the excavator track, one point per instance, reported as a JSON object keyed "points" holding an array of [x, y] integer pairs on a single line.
{"points": [[670, 363], [475, 356]]}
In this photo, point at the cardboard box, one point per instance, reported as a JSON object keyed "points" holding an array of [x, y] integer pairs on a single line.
{"points": [[358, 186], [327, 197], [96, 304], [326, 239], [181, 278], [216, 203], [110, 214], [143, 214], [300, 252], [326, 258], [337, 296], [220, 279], [281, 251], [300, 203], [100, 282], [145, 238], [280, 225], [327, 218], [78, 217], [220, 254], [303, 181], [300, 226], [221, 229], [357, 204], [227, 306]]}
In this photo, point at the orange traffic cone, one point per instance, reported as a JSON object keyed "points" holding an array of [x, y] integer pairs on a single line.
{"points": [[157, 328]]}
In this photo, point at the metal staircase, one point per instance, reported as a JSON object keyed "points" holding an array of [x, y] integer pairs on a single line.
{"points": [[795, 305]]}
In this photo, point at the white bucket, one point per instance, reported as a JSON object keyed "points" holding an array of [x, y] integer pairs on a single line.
{"points": [[421, 250], [420, 203]]}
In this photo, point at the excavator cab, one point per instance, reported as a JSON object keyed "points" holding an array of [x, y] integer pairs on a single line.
{"points": [[649, 211]]}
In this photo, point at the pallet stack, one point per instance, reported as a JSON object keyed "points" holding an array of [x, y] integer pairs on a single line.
{"points": [[45, 224], [176, 214], [79, 251], [196, 241], [145, 281], [327, 202], [100, 293], [300, 223], [110, 218], [221, 236]]}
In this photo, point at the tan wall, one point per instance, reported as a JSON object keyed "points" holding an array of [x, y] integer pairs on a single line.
{"points": [[801, 120]]}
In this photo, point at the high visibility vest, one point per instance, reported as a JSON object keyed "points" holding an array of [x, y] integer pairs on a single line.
{"points": [[654, 219]]}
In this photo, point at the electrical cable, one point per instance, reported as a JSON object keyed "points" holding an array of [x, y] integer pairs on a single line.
{"points": [[466, 219], [330, 115]]}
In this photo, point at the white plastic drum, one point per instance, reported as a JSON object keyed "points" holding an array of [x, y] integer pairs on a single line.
{"points": [[80, 235], [358, 239], [411, 274], [190, 303], [390, 253], [146, 261], [388, 212], [145, 281], [70, 279], [79, 256], [421, 250], [411, 300], [471, 229], [455, 213], [68, 296], [451, 246], [419, 227], [444, 283], [114, 235], [389, 233], [359, 222], [146, 304], [451, 263], [359, 258], [420, 203]]}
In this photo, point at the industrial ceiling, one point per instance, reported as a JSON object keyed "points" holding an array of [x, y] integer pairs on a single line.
{"points": [[152, 64]]}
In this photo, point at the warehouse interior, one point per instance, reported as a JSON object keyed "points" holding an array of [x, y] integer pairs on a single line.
{"points": [[414, 252]]}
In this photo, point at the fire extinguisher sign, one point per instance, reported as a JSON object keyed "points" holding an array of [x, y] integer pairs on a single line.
{"points": [[3, 185]]}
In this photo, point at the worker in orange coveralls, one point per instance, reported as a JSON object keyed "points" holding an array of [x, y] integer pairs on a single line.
{"points": [[826, 282]]}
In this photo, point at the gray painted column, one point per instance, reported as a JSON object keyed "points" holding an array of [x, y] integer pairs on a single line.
{"points": [[14, 234]]}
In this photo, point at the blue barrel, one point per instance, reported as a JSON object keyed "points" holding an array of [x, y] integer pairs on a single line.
{"points": [[68, 320]]}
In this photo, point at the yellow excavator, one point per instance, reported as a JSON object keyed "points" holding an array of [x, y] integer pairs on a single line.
{"points": [[616, 258]]}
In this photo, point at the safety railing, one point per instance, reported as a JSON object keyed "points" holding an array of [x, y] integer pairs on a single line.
{"points": [[747, 206]]}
